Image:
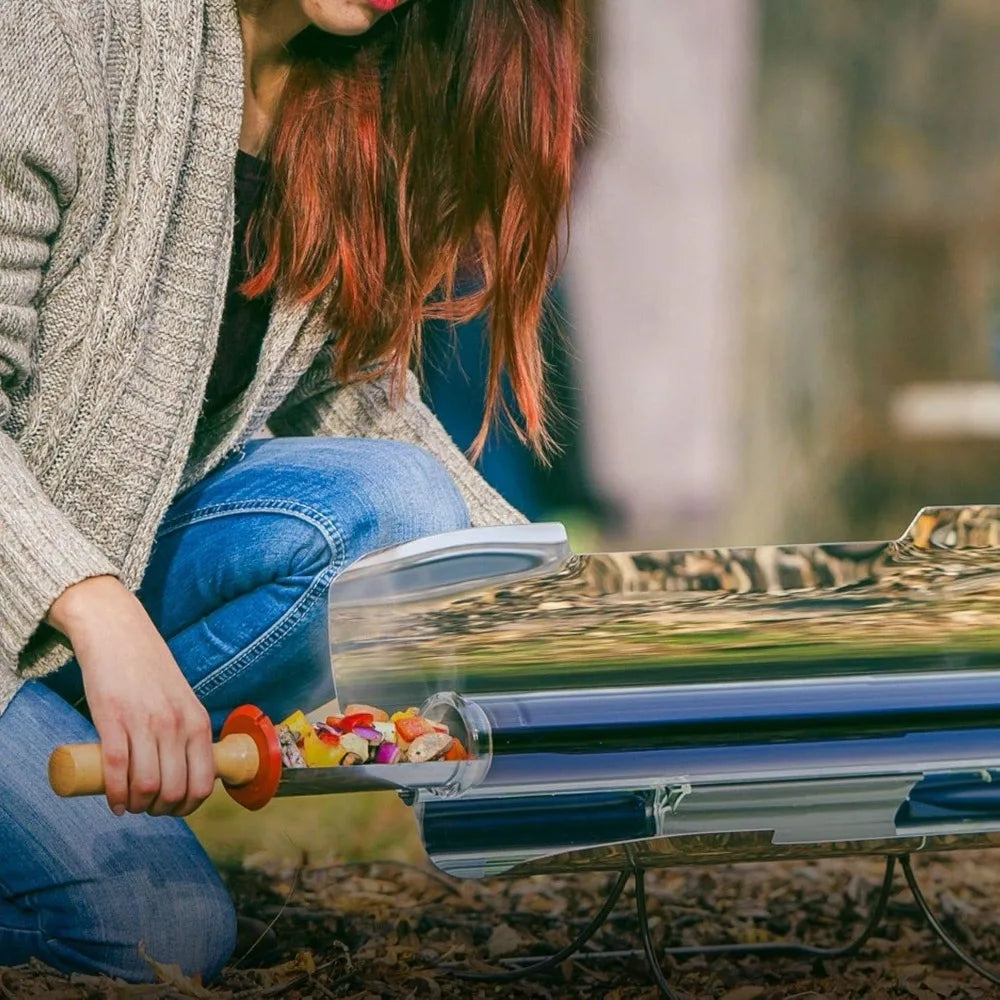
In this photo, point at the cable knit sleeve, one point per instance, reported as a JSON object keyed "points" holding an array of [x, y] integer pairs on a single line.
{"points": [[41, 552], [318, 406]]}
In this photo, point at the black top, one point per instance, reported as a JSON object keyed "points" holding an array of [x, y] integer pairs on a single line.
{"points": [[244, 321]]}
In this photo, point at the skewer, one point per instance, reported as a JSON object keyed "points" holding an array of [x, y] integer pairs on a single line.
{"points": [[248, 761]]}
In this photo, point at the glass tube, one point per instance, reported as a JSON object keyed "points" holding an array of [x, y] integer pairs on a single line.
{"points": [[604, 685]]}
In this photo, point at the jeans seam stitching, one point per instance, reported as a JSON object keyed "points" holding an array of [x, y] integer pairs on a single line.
{"points": [[264, 642], [327, 526]]}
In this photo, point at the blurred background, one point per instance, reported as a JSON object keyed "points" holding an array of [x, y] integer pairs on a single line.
{"points": [[781, 291], [779, 317]]}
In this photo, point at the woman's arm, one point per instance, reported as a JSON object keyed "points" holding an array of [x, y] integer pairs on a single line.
{"points": [[41, 551], [318, 406], [155, 734]]}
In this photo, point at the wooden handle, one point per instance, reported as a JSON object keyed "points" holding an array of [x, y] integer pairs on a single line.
{"points": [[76, 768]]}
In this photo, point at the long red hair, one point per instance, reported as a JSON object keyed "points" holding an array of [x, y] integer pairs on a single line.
{"points": [[422, 171]]}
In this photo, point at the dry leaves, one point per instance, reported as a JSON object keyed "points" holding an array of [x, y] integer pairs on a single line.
{"points": [[388, 931]]}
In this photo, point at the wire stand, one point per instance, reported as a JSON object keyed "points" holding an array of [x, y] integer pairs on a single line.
{"points": [[652, 962], [767, 948], [534, 965], [531, 965], [935, 925], [800, 948]]}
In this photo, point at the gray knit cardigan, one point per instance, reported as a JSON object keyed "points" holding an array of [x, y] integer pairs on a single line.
{"points": [[119, 122]]}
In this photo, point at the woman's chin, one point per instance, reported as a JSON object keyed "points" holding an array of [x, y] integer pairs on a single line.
{"points": [[346, 17]]}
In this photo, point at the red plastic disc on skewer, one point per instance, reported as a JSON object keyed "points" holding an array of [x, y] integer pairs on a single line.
{"points": [[248, 720]]}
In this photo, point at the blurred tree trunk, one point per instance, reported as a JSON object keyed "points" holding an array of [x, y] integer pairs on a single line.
{"points": [[653, 266], [872, 260]]}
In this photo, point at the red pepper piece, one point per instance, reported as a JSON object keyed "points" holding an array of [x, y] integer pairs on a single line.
{"points": [[456, 751], [411, 727], [376, 713], [348, 722], [331, 738]]}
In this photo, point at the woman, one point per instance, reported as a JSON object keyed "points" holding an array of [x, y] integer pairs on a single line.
{"points": [[386, 149]]}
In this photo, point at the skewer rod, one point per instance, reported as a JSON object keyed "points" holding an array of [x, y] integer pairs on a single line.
{"points": [[77, 769]]}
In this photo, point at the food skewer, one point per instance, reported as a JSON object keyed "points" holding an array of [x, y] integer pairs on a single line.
{"points": [[256, 760]]}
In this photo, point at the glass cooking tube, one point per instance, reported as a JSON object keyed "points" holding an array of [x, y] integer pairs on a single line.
{"points": [[563, 771], [629, 738], [600, 681]]}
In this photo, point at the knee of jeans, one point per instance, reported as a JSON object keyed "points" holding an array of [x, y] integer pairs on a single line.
{"points": [[193, 927], [414, 496], [189, 921]]}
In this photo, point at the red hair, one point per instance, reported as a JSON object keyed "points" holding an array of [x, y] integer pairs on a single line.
{"points": [[437, 146]]}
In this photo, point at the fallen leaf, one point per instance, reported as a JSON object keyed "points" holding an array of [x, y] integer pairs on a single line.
{"points": [[171, 975], [503, 941], [743, 993], [430, 981], [942, 987]]}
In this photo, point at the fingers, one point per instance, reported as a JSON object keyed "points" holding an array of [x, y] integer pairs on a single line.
{"points": [[144, 770], [191, 773], [115, 759], [200, 768], [173, 769], [186, 766], [156, 739]]}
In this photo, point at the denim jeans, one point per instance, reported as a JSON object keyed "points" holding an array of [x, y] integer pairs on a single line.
{"points": [[237, 585]]}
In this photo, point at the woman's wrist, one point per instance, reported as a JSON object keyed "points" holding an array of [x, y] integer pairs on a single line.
{"points": [[77, 606]]}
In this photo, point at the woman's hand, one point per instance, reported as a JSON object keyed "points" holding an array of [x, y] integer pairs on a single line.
{"points": [[156, 737]]}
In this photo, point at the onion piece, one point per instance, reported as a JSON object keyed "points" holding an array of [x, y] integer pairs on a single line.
{"points": [[387, 753]]}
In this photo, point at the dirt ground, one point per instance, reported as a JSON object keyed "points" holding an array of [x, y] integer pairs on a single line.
{"points": [[393, 930]]}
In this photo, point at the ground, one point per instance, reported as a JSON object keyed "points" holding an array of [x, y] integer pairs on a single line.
{"points": [[332, 927]]}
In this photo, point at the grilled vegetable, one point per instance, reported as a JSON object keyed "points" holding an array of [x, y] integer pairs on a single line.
{"points": [[387, 731], [365, 734], [428, 747], [388, 753], [355, 744], [377, 714], [350, 722], [412, 726]]}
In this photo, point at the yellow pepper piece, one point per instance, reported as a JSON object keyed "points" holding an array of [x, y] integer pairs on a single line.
{"points": [[320, 754], [315, 751], [409, 713]]}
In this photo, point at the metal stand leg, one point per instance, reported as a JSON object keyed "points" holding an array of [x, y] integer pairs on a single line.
{"points": [[942, 935], [541, 964], [799, 947], [771, 948], [647, 938], [532, 966]]}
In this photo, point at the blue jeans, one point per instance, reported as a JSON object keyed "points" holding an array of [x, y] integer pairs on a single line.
{"points": [[237, 585]]}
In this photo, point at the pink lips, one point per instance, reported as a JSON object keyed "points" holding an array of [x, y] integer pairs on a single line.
{"points": [[384, 5]]}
